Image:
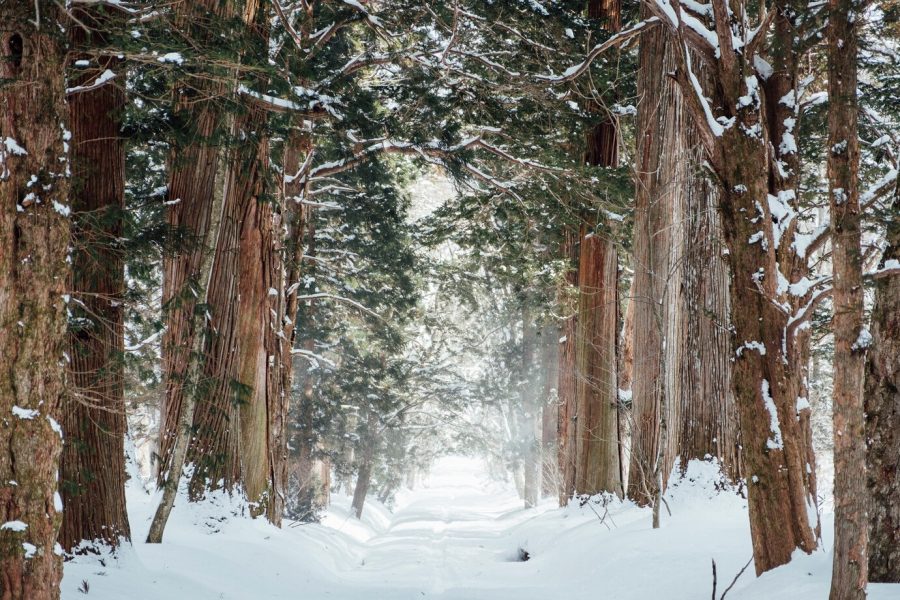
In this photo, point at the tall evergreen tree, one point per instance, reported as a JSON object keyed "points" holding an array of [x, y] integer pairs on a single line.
{"points": [[34, 238]]}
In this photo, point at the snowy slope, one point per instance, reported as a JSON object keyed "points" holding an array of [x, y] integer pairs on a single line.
{"points": [[459, 537]]}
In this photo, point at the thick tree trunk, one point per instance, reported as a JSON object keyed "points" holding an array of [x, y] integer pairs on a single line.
{"points": [[766, 382], [92, 467], [850, 573], [34, 238], [596, 448], [882, 404], [588, 390], [698, 345], [752, 150], [231, 442], [680, 291], [659, 190], [193, 167]]}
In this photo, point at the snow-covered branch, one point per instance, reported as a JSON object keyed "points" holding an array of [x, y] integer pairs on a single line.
{"points": [[618, 39]]}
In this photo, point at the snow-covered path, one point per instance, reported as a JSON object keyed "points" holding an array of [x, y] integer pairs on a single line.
{"points": [[451, 539], [456, 538]]}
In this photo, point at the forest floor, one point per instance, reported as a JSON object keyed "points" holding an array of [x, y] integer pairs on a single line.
{"points": [[460, 536]]}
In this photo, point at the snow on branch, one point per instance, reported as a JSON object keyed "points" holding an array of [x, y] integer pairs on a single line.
{"points": [[806, 244], [313, 358], [101, 79], [891, 268], [576, 71], [344, 299], [433, 152]]}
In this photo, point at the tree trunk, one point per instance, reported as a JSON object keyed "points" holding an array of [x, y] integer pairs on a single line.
{"points": [[230, 422], [367, 461], [597, 466], [588, 390], [566, 389], [193, 167], [882, 398], [751, 148], [92, 467], [766, 382], [529, 412], [850, 573], [659, 191], [34, 239], [698, 346], [680, 291], [549, 410]]}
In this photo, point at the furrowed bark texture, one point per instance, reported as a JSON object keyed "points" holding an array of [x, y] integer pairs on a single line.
{"points": [[597, 467], [92, 468], [193, 166], [745, 122], [34, 237], [659, 187], [698, 345], [680, 291], [589, 437], [239, 418], [882, 405], [850, 572]]}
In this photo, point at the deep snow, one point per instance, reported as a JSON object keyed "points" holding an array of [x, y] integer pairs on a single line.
{"points": [[458, 537]]}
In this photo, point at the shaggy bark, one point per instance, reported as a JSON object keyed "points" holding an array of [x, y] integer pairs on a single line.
{"points": [[597, 467], [680, 291], [750, 148], [92, 467], [589, 438], [882, 406], [193, 167], [850, 573], [659, 188], [34, 238]]}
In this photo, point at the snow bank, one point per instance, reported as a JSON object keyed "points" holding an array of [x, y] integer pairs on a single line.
{"points": [[459, 537]]}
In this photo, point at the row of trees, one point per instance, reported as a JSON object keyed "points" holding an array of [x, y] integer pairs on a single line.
{"points": [[221, 184], [727, 146]]}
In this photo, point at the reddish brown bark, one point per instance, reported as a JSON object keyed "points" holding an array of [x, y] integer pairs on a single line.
{"points": [[34, 237], [757, 210], [597, 467], [850, 572], [239, 419], [682, 359], [92, 468], [882, 405], [193, 166], [588, 390], [659, 187]]}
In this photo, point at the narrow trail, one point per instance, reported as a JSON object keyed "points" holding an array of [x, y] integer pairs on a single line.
{"points": [[451, 538]]}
